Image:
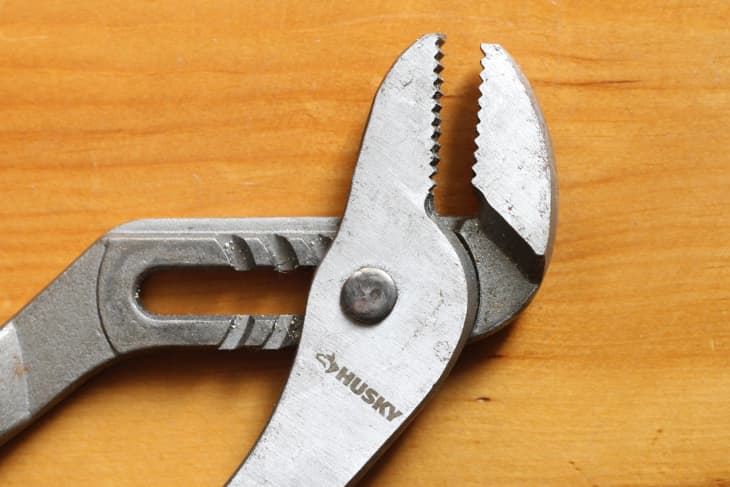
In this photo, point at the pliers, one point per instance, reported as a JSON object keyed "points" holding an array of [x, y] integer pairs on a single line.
{"points": [[398, 290]]}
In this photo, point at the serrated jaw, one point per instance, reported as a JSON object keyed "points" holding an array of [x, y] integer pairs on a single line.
{"points": [[400, 148], [514, 172]]}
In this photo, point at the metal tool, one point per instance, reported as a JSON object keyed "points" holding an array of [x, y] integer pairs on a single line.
{"points": [[397, 292]]}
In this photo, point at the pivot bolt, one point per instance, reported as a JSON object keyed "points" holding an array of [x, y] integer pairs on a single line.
{"points": [[368, 295]]}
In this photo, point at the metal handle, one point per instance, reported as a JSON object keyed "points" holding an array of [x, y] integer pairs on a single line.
{"points": [[91, 314], [54, 343]]}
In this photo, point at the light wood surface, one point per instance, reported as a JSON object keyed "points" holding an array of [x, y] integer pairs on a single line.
{"points": [[617, 375]]}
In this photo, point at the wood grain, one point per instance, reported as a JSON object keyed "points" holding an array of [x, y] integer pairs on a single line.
{"points": [[618, 374]]}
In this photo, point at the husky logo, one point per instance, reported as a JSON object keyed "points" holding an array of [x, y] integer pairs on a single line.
{"points": [[328, 361], [358, 387]]}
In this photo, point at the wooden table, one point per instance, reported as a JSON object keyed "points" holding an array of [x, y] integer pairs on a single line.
{"points": [[618, 374]]}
